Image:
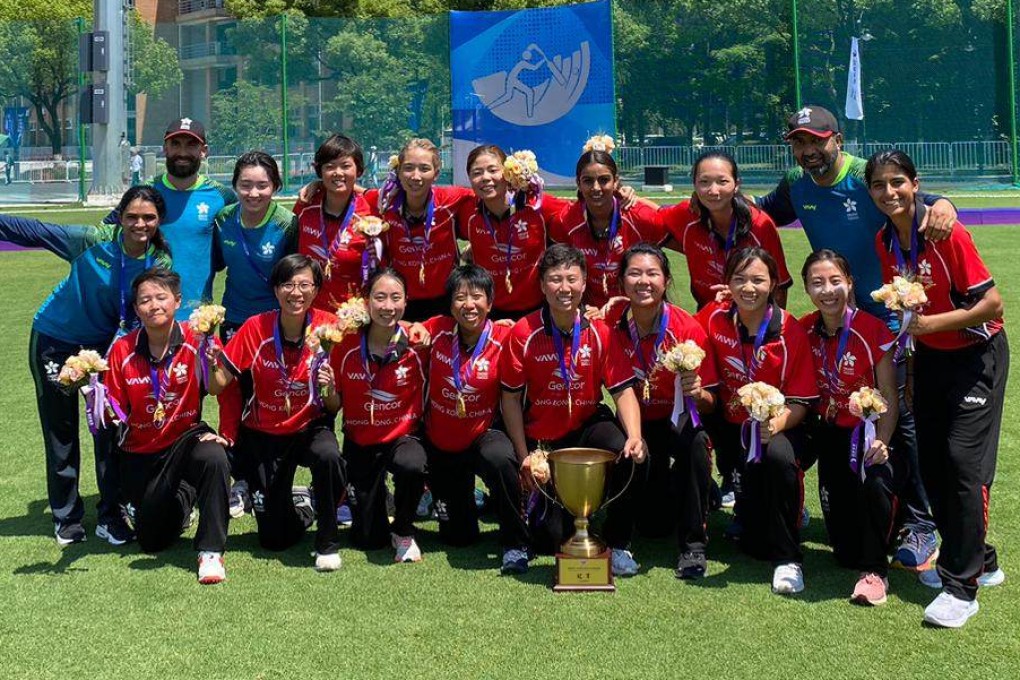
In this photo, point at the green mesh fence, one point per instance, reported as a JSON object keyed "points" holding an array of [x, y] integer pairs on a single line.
{"points": [[936, 81]]}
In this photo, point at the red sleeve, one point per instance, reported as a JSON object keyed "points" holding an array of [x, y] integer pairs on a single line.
{"points": [[372, 199], [649, 223], [114, 378], [617, 307], [708, 372], [434, 324], [674, 219], [878, 336], [704, 315], [240, 351], [617, 369], [970, 275], [463, 217], [799, 382], [231, 406], [511, 359], [770, 241]]}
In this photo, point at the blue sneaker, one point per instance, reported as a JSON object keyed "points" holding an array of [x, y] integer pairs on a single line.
{"points": [[425, 505], [989, 579], [623, 563], [515, 561], [480, 499], [917, 552], [343, 515]]}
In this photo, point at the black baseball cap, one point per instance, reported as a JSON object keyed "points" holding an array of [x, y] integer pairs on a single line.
{"points": [[813, 120], [185, 126]]}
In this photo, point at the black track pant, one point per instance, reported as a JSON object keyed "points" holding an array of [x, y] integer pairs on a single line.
{"points": [[770, 493], [162, 487], [676, 495], [958, 398], [271, 462], [58, 416], [367, 466], [552, 525], [859, 516], [451, 479]]}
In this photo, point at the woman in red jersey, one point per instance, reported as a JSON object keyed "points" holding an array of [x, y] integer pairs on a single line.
{"points": [[507, 237], [284, 424], [421, 241], [463, 429], [169, 459], [717, 220], [553, 370], [857, 483], [959, 382], [381, 384], [755, 340], [648, 326]]}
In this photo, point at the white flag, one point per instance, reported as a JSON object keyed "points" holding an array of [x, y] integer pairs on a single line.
{"points": [[854, 104]]}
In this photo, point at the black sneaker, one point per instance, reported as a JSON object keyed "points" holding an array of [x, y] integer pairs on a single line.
{"points": [[691, 566], [72, 532], [115, 532]]}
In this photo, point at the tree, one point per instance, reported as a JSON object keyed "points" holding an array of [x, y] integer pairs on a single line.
{"points": [[39, 59]]}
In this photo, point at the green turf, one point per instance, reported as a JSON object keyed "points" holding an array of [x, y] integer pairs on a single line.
{"points": [[94, 611]]}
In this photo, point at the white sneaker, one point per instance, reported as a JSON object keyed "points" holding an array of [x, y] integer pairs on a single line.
{"points": [[988, 579], [329, 562], [949, 611], [624, 563], [407, 549], [210, 568], [788, 579]]}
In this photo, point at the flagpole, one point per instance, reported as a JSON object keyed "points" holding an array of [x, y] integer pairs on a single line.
{"points": [[796, 58]]}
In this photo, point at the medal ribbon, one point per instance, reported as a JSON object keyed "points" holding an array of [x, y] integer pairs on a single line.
{"points": [[247, 250], [750, 431], [330, 249], [832, 375], [483, 339], [575, 342], [495, 237], [614, 227], [430, 214], [635, 339], [157, 385], [278, 347], [366, 363]]}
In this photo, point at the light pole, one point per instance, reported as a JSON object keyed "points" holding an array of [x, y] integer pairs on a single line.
{"points": [[106, 162]]}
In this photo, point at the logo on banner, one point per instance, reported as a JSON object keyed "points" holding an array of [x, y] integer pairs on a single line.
{"points": [[510, 97]]}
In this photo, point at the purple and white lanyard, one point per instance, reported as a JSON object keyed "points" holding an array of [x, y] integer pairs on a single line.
{"points": [[750, 431]]}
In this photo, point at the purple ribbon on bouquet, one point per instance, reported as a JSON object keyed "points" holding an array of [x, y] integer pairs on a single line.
{"points": [[857, 462], [752, 443], [683, 403], [203, 360], [314, 395], [97, 403], [371, 256]]}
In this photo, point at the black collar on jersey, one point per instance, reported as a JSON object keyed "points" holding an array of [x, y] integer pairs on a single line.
{"points": [[412, 220], [624, 326], [547, 321], [142, 343], [482, 208], [889, 230], [774, 330], [822, 331], [400, 349]]}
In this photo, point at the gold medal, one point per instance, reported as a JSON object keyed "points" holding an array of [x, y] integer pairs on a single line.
{"points": [[605, 281], [371, 412], [421, 274], [830, 412], [570, 406], [286, 403], [327, 271], [509, 286], [461, 406], [647, 390], [159, 415]]}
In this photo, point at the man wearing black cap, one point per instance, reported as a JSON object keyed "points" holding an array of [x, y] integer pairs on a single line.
{"points": [[829, 196], [192, 201]]}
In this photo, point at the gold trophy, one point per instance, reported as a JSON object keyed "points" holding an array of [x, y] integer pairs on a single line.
{"points": [[580, 477]]}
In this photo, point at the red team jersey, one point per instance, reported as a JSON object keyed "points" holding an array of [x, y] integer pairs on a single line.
{"points": [[317, 238], [856, 368], [680, 327], [954, 277], [705, 251], [784, 359], [386, 401], [129, 381], [568, 224], [407, 247], [447, 430], [276, 383], [531, 362], [513, 244]]}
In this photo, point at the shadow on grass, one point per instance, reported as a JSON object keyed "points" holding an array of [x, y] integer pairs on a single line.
{"points": [[35, 522]]}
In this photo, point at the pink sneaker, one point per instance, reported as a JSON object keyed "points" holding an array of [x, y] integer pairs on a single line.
{"points": [[407, 549], [870, 590]]}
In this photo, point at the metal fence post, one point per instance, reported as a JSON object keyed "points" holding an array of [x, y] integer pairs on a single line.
{"points": [[1012, 94], [283, 100]]}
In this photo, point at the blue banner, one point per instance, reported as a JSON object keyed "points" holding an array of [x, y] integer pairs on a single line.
{"points": [[538, 79], [15, 123]]}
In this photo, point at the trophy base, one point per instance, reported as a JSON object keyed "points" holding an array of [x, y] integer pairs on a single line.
{"points": [[584, 573]]}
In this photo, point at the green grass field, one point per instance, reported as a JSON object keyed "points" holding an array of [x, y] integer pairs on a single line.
{"points": [[94, 611]]}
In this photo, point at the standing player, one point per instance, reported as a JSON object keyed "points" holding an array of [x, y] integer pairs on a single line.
{"points": [[959, 382], [169, 458], [463, 432], [829, 196], [86, 310], [381, 385], [553, 370]]}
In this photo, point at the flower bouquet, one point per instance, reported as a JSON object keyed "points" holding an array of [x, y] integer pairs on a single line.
{"points": [[600, 143], [371, 227], [81, 372], [205, 321], [763, 403], [868, 404], [683, 357], [904, 296]]}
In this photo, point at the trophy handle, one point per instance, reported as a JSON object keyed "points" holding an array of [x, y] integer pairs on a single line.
{"points": [[539, 486], [625, 486]]}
